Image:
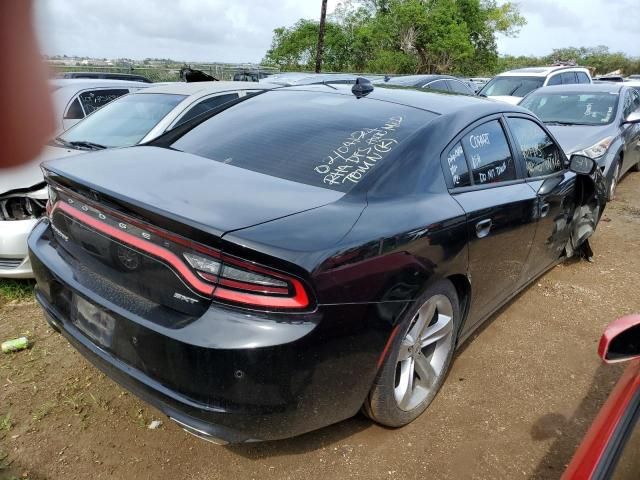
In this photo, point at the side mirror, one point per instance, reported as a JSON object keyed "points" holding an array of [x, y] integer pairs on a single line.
{"points": [[634, 117], [621, 340], [582, 165]]}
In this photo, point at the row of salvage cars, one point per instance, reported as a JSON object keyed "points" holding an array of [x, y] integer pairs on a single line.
{"points": [[258, 260]]}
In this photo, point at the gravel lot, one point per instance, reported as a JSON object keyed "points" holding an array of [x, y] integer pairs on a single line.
{"points": [[521, 394]]}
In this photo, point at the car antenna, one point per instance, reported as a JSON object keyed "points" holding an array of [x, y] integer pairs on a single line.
{"points": [[362, 87], [324, 82]]}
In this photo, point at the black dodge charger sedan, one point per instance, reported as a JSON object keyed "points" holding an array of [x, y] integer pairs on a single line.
{"points": [[278, 264]]}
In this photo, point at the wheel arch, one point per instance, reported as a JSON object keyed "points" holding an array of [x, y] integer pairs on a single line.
{"points": [[463, 288]]}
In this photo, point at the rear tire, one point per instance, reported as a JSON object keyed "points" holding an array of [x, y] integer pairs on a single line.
{"points": [[636, 167], [418, 359]]}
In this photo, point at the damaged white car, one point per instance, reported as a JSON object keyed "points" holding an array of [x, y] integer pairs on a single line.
{"points": [[129, 120]]}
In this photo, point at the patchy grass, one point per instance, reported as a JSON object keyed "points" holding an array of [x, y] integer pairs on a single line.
{"points": [[5, 463], [16, 290], [43, 410], [5, 422]]}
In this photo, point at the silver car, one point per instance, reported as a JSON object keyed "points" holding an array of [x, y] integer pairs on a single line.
{"points": [[600, 120], [129, 120]]}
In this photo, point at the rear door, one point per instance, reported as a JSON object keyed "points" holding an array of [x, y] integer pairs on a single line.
{"points": [[500, 207], [554, 185]]}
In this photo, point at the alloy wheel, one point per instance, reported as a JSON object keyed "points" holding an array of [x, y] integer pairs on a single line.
{"points": [[423, 352]]}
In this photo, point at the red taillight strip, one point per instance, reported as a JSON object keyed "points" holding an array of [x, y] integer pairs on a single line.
{"points": [[139, 243], [299, 300], [243, 285]]}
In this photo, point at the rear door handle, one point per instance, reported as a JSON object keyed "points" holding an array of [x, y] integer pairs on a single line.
{"points": [[483, 227], [544, 210]]}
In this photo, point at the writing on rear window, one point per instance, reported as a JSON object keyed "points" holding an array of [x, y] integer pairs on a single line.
{"points": [[458, 166], [358, 153]]}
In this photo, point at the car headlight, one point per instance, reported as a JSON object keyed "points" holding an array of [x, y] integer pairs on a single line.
{"points": [[597, 150]]}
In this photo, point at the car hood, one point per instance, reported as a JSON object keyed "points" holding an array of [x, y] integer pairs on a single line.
{"points": [[29, 175], [211, 196], [574, 138], [507, 98]]}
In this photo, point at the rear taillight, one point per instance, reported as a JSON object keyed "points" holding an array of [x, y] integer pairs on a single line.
{"points": [[246, 283], [206, 270]]}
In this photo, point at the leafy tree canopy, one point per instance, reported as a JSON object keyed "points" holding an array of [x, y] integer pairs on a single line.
{"points": [[400, 36], [423, 36]]}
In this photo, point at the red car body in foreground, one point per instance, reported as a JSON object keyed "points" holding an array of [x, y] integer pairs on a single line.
{"points": [[611, 448]]}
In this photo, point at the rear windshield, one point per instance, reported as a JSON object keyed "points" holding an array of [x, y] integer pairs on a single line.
{"points": [[511, 86], [322, 139]]}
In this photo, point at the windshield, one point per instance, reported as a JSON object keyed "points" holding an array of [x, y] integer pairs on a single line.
{"points": [[123, 122], [511, 86], [325, 140], [573, 108]]}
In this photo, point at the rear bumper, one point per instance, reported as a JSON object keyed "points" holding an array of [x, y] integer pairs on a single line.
{"points": [[14, 257], [230, 375]]}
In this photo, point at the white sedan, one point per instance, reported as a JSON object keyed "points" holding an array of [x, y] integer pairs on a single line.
{"points": [[74, 99], [129, 120]]}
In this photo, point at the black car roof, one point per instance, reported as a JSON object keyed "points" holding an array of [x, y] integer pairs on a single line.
{"points": [[434, 102]]}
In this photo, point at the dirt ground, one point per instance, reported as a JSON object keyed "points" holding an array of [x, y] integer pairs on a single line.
{"points": [[520, 396]]}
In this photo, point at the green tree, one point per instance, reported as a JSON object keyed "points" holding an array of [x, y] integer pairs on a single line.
{"points": [[401, 36]]}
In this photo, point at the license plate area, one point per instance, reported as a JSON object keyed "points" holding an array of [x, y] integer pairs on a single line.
{"points": [[93, 321]]}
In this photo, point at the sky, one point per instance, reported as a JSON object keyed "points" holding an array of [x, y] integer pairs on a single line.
{"points": [[241, 30]]}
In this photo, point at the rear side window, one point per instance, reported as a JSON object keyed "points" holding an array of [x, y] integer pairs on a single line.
{"points": [[631, 103], [322, 139], [459, 87], [74, 112], [636, 98], [457, 164], [489, 155], [206, 105], [582, 77], [555, 80], [541, 155], [568, 78], [440, 85], [94, 99]]}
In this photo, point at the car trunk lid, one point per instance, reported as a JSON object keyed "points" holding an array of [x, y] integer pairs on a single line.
{"points": [[191, 191]]}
